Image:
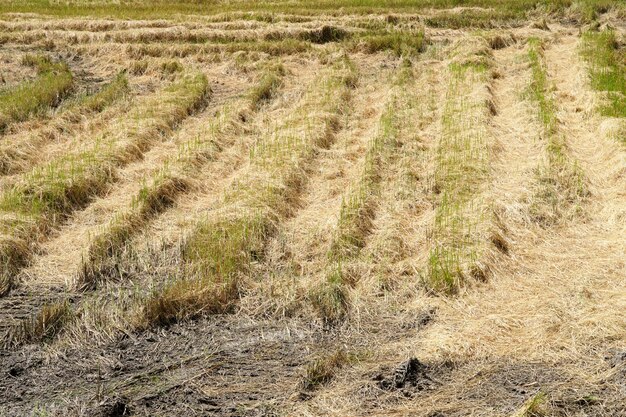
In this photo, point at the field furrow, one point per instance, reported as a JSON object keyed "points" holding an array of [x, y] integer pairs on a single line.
{"points": [[170, 228], [219, 249], [590, 132], [554, 290], [22, 150], [297, 253], [462, 170], [138, 183], [175, 177], [561, 184], [359, 203], [100, 236], [519, 146], [398, 246]]}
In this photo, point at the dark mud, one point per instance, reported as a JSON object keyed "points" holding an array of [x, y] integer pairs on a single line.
{"points": [[234, 365], [230, 365], [23, 302], [223, 366]]}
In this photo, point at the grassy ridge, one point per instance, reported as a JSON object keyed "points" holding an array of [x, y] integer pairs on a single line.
{"points": [[107, 95], [357, 211], [462, 162], [400, 42], [561, 182], [267, 86], [219, 250], [53, 82], [44, 196], [39, 328]]}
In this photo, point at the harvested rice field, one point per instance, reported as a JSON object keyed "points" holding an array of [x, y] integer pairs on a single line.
{"points": [[330, 208]]}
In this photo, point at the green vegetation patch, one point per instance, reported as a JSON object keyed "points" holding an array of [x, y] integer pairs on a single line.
{"points": [[53, 82], [401, 43], [607, 69], [266, 11]]}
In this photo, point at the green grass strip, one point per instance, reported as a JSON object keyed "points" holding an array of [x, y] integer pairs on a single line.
{"points": [[462, 162]]}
